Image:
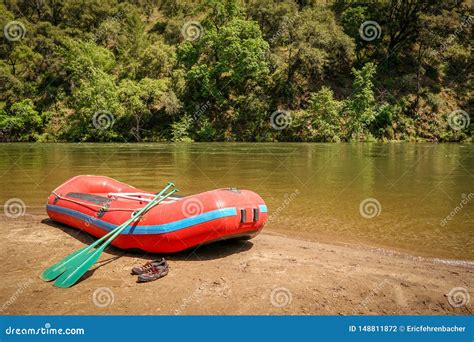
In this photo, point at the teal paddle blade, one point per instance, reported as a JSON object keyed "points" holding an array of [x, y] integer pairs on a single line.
{"points": [[55, 270], [76, 266], [73, 274]]}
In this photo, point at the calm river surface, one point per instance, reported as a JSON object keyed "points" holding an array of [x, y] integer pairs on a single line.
{"points": [[313, 191]]}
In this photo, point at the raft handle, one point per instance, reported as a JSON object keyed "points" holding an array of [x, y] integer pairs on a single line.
{"points": [[255, 214], [243, 216], [102, 210]]}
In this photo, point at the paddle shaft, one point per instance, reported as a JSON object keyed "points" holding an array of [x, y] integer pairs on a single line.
{"points": [[55, 270], [137, 216], [118, 230], [78, 268], [106, 236]]}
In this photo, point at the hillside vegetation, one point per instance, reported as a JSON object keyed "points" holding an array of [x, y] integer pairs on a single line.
{"points": [[254, 70]]}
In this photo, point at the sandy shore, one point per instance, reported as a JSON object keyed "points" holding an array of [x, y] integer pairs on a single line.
{"points": [[270, 274]]}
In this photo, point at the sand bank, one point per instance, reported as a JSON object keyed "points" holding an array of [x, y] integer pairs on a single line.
{"points": [[271, 274]]}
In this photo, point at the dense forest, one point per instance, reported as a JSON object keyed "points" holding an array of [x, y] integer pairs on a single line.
{"points": [[235, 70]]}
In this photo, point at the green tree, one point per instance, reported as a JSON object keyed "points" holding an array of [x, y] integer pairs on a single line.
{"points": [[22, 123], [351, 20], [180, 130], [226, 62], [325, 116], [359, 108], [317, 49], [140, 100], [93, 92]]}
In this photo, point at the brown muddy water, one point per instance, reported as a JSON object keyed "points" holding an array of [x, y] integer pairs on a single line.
{"points": [[412, 198]]}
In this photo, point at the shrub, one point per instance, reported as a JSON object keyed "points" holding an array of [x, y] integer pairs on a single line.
{"points": [[180, 130], [22, 123]]}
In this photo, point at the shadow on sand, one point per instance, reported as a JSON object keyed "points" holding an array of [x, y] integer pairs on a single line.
{"points": [[211, 251]]}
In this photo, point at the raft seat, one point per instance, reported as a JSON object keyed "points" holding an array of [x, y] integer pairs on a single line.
{"points": [[89, 197]]}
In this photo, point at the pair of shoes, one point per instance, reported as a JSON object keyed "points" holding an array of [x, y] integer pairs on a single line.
{"points": [[152, 270], [148, 266], [156, 272]]}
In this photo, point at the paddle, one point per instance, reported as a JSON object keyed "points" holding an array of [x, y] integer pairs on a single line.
{"points": [[73, 263], [78, 268], [55, 270]]}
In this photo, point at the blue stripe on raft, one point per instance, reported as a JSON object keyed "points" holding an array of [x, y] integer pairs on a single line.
{"points": [[154, 229], [263, 208]]}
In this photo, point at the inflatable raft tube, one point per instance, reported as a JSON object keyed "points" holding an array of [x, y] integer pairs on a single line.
{"points": [[98, 204]]}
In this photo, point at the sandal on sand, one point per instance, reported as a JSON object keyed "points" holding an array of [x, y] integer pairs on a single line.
{"points": [[149, 265], [156, 272]]}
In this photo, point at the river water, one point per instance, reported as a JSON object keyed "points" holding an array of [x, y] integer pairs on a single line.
{"points": [[393, 196]]}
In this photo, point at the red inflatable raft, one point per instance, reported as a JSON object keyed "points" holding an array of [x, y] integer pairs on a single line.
{"points": [[98, 204]]}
